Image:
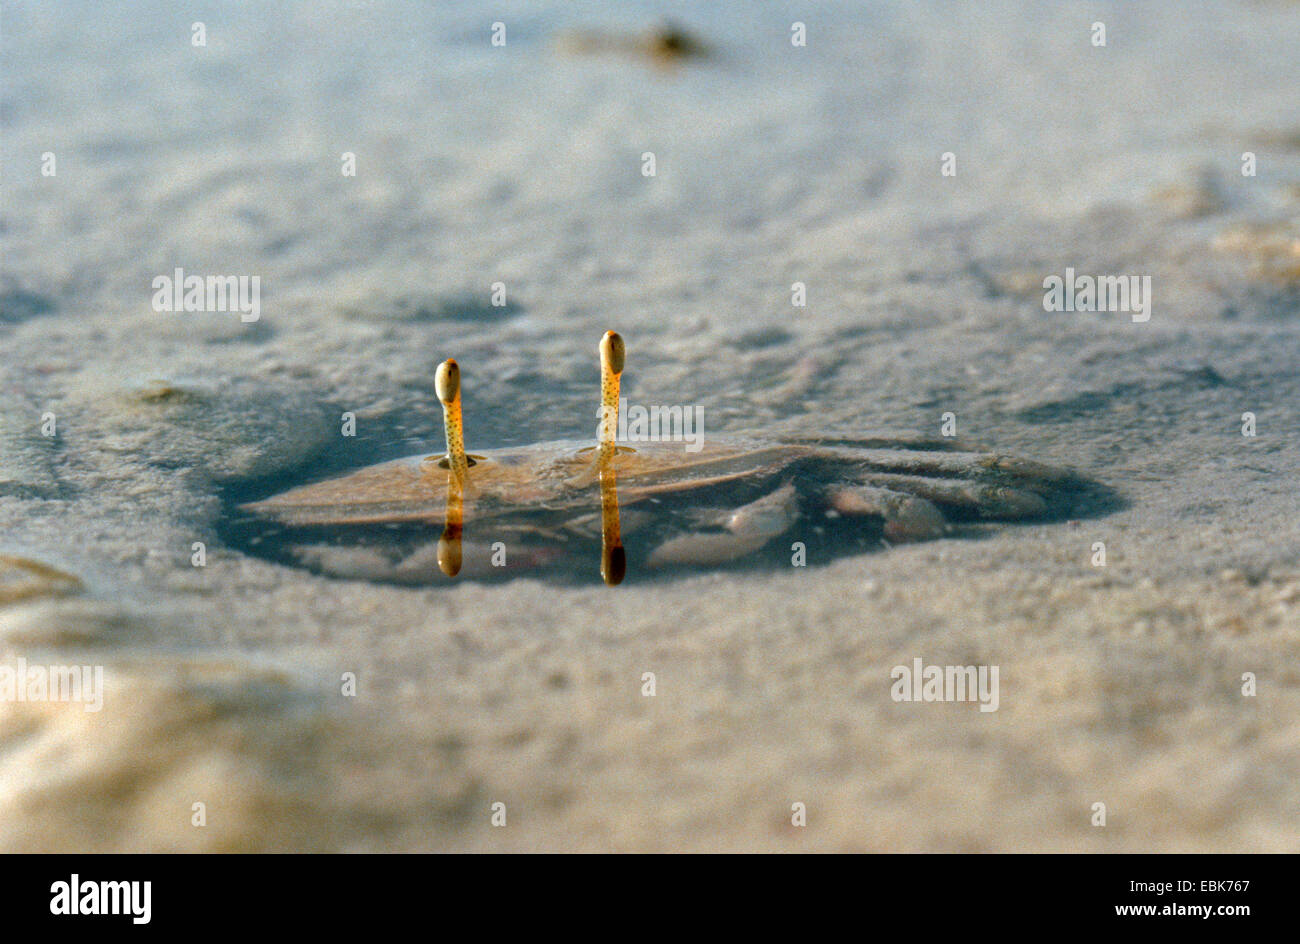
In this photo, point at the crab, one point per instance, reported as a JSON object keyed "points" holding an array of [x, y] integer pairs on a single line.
{"points": [[728, 499]]}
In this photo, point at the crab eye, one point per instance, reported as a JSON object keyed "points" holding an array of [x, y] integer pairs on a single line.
{"points": [[612, 351], [447, 381]]}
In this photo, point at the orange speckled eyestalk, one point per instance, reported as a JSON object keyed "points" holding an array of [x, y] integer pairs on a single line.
{"points": [[612, 354], [447, 384]]}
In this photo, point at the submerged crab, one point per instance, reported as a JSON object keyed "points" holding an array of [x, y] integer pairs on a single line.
{"points": [[543, 504]]}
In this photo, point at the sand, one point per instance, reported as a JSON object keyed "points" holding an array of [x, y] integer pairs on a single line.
{"points": [[224, 684]]}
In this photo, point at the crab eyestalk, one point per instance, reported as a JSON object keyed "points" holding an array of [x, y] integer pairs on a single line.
{"points": [[611, 369], [447, 385], [613, 559]]}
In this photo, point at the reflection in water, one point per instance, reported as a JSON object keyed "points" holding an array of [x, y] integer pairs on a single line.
{"points": [[449, 545], [613, 560]]}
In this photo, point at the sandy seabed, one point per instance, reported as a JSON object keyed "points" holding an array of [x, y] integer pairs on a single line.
{"points": [[1120, 685]]}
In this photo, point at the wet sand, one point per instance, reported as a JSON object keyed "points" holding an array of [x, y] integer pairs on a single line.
{"points": [[224, 684]]}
